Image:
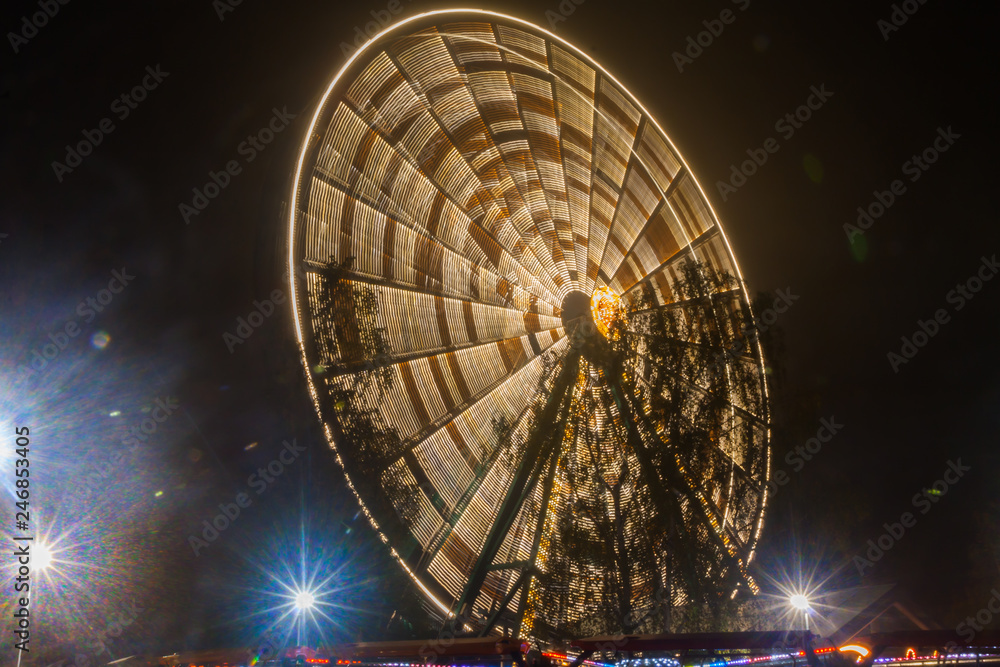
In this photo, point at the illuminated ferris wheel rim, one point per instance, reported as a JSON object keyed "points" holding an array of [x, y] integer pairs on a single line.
{"points": [[299, 310], [377, 40]]}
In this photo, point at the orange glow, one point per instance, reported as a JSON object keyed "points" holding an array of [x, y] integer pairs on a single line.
{"points": [[857, 648], [607, 308]]}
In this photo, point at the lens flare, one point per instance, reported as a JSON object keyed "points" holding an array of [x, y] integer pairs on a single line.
{"points": [[41, 558], [100, 340], [304, 600]]}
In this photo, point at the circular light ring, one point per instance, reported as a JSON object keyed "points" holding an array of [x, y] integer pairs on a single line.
{"points": [[462, 175]]}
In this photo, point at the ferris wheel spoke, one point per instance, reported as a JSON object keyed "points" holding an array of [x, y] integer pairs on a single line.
{"points": [[715, 350], [731, 461], [705, 512], [536, 542], [657, 218], [486, 464], [687, 318], [566, 145], [459, 301], [487, 87], [589, 145], [389, 360], [662, 275], [515, 369], [686, 304], [742, 469], [542, 444], [386, 250], [744, 489], [743, 412], [404, 325], [490, 254], [616, 174], [727, 454], [491, 197], [632, 170], [659, 488]]}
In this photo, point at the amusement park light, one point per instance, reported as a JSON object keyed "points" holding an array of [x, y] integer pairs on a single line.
{"points": [[801, 602], [304, 601], [42, 557]]}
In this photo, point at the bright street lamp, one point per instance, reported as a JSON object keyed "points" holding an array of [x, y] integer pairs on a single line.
{"points": [[304, 601], [41, 558], [801, 602]]}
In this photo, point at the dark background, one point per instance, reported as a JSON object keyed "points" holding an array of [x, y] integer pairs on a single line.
{"points": [[123, 546]]}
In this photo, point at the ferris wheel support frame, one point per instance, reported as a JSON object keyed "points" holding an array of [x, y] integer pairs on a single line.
{"points": [[546, 496], [537, 452], [676, 477]]}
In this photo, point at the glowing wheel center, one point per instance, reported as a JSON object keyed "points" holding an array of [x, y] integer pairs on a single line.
{"points": [[607, 310]]}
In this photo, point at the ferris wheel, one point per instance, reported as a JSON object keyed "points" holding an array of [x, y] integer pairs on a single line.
{"points": [[525, 333]]}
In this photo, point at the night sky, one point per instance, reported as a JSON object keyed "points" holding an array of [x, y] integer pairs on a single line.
{"points": [[214, 77]]}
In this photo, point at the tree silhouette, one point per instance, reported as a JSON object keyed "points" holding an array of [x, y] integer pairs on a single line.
{"points": [[641, 534]]}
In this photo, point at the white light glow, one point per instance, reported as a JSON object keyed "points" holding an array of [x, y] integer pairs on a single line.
{"points": [[799, 601], [304, 600], [41, 557]]}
